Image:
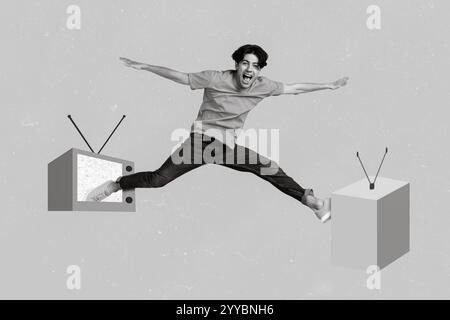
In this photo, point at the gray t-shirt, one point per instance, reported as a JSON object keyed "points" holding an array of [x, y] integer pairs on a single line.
{"points": [[225, 106]]}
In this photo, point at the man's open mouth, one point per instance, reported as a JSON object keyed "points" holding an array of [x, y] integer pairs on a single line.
{"points": [[246, 78]]}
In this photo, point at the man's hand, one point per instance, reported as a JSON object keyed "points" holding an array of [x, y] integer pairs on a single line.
{"points": [[339, 83], [132, 64]]}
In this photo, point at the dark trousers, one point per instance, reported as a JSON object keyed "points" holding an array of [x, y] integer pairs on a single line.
{"points": [[198, 150]]}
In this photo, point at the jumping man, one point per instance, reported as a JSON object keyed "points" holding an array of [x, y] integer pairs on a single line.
{"points": [[228, 98]]}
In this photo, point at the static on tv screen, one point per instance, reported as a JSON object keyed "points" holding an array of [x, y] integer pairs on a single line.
{"points": [[92, 172]]}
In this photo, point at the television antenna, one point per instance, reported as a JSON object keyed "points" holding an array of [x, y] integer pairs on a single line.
{"points": [[70, 117], [372, 184]]}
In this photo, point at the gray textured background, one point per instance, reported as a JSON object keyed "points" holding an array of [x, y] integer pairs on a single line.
{"points": [[216, 233]]}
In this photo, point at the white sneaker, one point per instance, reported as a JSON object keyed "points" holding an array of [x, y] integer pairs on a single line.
{"points": [[103, 191], [324, 214]]}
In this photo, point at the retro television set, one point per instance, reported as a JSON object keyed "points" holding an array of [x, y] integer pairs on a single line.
{"points": [[75, 173]]}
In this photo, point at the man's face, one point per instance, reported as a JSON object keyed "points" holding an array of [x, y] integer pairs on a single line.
{"points": [[247, 70]]}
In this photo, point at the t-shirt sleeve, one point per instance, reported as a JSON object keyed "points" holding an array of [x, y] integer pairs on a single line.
{"points": [[271, 87], [203, 79]]}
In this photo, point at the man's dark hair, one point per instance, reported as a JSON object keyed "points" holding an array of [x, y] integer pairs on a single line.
{"points": [[259, 52]]}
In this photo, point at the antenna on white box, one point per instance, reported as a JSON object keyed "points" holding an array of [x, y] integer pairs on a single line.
{"points": [[70, 117], [372, 184]]}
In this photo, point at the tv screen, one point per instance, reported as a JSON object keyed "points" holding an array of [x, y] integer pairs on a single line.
{"points": [[93, 172]]}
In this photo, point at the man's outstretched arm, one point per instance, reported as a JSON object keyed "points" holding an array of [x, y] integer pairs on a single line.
{"points": [[177, 76], [297, 88]]}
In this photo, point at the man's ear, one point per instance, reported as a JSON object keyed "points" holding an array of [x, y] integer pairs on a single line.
{"points": [[236, 65]]}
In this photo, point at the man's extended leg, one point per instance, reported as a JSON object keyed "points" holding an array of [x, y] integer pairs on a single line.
{"points": [[247, 160], [175, 166], [183, 159]]}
